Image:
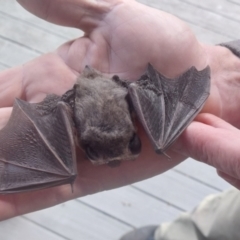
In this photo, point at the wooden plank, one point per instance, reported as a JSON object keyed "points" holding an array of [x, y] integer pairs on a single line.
{"points": [[13, 9], [207, 36], [202, 173], [200, 17], [30, 37], [221, 7], [234, 1], [74, 220], [132, 206], [20, 228], [12, 54], [176, 189], [203, 34]]}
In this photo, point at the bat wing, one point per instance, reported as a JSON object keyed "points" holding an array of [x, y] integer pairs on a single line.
{"points": [[165, 107], [36, 150]]}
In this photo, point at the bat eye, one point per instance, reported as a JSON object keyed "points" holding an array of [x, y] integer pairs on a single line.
{"points": [[135, 144], [91, 154]]}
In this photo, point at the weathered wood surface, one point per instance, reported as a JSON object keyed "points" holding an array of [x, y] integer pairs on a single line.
{"points": [[109, 214]]}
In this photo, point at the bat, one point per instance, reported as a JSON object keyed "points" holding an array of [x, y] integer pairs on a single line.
{"points": [[38, 144]]}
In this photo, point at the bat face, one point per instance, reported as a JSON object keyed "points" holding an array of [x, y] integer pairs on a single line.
{"points": [[104, 123]]}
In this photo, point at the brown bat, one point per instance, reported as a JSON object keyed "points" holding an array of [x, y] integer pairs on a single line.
{"points": [[38, 144]]}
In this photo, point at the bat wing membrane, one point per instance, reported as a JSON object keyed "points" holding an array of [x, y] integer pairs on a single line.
{"points": [[193, 88], [36, 150], [149, 105], [165, 107]]}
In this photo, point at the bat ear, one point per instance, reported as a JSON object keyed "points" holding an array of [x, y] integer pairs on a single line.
{"points": [[89, 72], [150, 71], [150, 67], [120, 82]]}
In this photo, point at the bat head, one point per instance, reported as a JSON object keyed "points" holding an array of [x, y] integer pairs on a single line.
{"points": [[103, 119]]}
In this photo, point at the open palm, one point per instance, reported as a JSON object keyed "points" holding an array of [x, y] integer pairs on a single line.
{"points": [[121, 37]]}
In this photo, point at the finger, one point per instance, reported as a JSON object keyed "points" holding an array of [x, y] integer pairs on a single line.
{"points": [[213, 121], [44, 75], [233, 181], [216, 145], [81, 14]]}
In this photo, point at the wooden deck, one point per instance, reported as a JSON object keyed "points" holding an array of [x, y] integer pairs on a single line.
{"points": [[108, 215]]}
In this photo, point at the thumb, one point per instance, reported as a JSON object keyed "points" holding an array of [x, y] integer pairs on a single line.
{"points": [[213, 141]]}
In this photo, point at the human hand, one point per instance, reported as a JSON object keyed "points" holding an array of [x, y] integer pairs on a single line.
{"points": [[210, 139], [114, 43], [224, 100]]}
